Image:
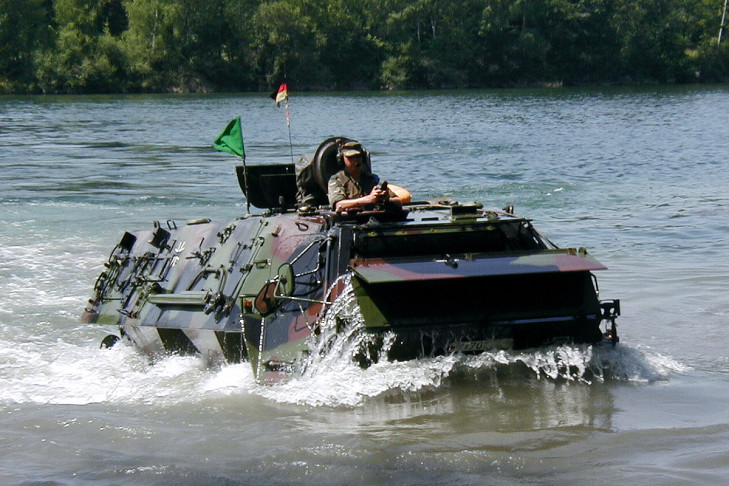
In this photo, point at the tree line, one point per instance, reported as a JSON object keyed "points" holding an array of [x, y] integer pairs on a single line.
{"points": [[128, 46]]}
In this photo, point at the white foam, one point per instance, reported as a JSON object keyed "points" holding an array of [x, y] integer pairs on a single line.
{"points": [[63, 373], [60, 363], [331, 375]]}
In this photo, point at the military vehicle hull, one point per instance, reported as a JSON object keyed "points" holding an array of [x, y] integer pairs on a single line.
{"points": [[429, 278]]}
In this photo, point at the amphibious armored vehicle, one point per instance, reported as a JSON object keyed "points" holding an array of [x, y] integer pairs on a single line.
{"points": [[434, 277]]}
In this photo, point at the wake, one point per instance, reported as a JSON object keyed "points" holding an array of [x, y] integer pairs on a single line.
{"points": [[331, 372]]}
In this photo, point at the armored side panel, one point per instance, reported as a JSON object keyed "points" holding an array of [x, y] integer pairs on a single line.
{"points": [[180, 289], [276, 323]]}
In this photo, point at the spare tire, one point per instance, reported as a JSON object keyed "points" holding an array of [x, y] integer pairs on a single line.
{"points": [[327, 160], [313, 172]]}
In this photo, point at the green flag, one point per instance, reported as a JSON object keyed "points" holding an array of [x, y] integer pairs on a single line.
{"points": [[231, 139]]}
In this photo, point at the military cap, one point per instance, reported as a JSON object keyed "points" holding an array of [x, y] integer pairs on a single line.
{"points": [[352, 149]]}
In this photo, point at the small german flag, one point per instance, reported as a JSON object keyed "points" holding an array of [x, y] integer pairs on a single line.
{"points": [[281, 95]]}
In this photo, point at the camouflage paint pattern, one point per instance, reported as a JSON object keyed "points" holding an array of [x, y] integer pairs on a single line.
{"points": [[442, 277], [378, 270]]}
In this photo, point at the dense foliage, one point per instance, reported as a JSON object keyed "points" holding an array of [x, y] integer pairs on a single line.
{"points": [[92, 46]]}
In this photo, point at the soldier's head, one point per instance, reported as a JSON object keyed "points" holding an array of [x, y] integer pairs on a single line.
{"points": [[352, 154]]}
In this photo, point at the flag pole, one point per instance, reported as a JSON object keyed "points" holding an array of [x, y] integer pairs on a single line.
{"points": [[231, 140], [282, 94], [288, 123], [245, 183]]}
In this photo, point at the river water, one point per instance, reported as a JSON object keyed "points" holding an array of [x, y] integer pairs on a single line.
{"points": [[638, 176]]}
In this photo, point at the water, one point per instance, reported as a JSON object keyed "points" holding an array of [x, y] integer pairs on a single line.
{"points": [[639, 177]]}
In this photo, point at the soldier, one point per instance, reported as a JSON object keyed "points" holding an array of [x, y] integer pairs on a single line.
{"points": [[355, 187]]}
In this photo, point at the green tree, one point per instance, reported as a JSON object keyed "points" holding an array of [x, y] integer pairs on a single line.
{"points": [[349, 55], [186, 45], [204, 45], [24, 29], [286, 44], [85, 57], [148, 43], [430, 43], [581, 43], [113, 17], [236, 52], [654, 36], [199, 40]]}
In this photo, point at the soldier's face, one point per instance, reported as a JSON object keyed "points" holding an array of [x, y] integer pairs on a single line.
{"points": [[354, 161]]}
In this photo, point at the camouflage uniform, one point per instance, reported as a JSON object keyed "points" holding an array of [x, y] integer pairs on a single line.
{"points": [[343, 186]]}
